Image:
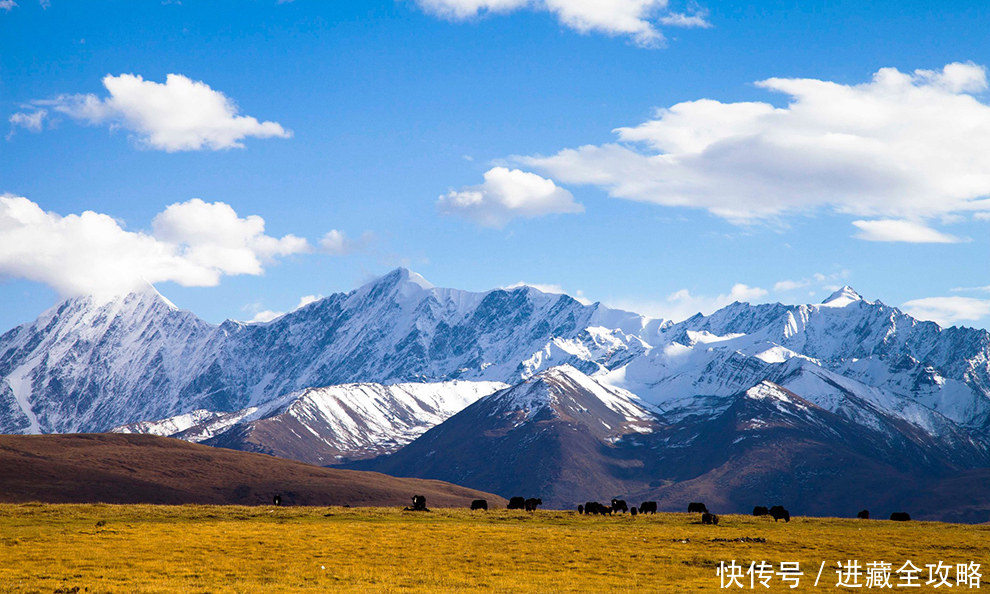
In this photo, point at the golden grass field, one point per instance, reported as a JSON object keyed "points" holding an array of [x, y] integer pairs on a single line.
{"points": [[219, 549]]}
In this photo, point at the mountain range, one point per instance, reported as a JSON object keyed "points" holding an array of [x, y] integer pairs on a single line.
{"points": [[512, 390]]}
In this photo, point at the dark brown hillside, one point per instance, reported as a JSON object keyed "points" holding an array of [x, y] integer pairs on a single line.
{"points": [[119, 468]]}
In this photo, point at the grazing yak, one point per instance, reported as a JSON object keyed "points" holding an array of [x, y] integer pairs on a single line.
{"points": [[648, 507], [619, 505], [418, 503], [633, 510], [759, 510], [479, 504], [517, 503], [707, 518], [697, 508], [531, 503], [900, 517], [277, 500], [593, 507], [864, 515], [778, 512], [580, 509]]}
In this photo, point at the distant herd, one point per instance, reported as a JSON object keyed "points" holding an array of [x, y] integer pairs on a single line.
{"points": [[616, 506]]}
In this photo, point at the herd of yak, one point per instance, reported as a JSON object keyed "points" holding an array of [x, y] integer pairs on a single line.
{"points": [[776, 512]]}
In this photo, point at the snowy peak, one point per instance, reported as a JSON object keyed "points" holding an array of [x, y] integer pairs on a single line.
{"points": [[563, 393], [842, 297]]}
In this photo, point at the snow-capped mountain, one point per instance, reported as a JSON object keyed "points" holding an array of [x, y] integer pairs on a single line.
{"points": [[567, 438], [327, 425], [88, 366], [553, 435]]}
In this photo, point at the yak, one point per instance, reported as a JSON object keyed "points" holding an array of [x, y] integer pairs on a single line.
{"points": [[619, 505], [864, 515], [760, 510], [531, 503], [778, 512], [517, 503], [900, 517], [707, 518], [479, 504], [580, 509], [633, 510], [648, 507], [277, 500], [694, 508]]}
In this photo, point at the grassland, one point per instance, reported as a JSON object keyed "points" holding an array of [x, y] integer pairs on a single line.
{"points": [[231, 549]]}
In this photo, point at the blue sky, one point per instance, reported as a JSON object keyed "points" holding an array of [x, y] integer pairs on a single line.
{"points": [[419, 134]]}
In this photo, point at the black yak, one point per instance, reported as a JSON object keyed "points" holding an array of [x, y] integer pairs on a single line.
{"points": [[517, 503], [778, 512], [759, 510], [707, 518], [619, 505], [864, 515], [531, 503], [648, 507], [900, 517], [479, 504], [697, 508]]}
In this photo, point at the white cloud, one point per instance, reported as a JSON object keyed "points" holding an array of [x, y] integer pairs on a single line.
{"points": [[193, 243], [306, 300], [948, 311], [790, 285], [633, 18], [907, 146], [901, 230], [678, 19], [681, 305], [505, 195], [179, 115], [265, 316], [7, 5], [985, 289], [32, 120], [981, 216], [336, 243]]}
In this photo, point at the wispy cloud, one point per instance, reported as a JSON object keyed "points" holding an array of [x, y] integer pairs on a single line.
{"points": [[948, 311]]}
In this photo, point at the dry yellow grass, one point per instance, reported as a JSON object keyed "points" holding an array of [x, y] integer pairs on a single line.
{"points": [[200, 549]]}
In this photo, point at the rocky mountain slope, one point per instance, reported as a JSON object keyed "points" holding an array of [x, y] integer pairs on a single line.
{"points": [[326, 425], [562, 436]]}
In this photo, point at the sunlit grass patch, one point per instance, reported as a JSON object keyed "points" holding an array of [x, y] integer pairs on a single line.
{"points": [[137, 548]]}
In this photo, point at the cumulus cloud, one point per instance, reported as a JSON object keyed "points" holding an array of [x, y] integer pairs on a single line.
{"points": [[265, 315], [948, 311], [178, 115], [636, 19], [901, 230], [192, 243], [681, 305], [7, 5], [505, 195], [337, 243], [901, 146]]}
